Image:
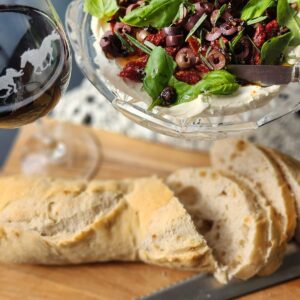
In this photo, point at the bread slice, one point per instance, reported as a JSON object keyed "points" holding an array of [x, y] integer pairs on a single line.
{"points": [[275, 251], [228, 216], [248, 160], [57, 222], [291, 170]]}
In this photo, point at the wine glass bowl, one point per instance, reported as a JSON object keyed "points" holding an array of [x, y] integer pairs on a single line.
{"points": [[199, 127]]}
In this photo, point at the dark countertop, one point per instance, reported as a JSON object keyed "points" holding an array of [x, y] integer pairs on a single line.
{"points": [[7, 136]]}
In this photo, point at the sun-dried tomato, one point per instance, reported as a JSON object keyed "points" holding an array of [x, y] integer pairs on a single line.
{"points": [[135, 70], [194, 44], [272, 29], [157, 39], [190, 77], [203, 69], [260, 36], [256, 58], [172, 51]]}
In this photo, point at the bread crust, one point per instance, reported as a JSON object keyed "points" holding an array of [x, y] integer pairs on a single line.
{"points": [[290, 168]]}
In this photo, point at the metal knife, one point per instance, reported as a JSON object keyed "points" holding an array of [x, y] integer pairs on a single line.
{"points": [[266, 75], [205, 287]]}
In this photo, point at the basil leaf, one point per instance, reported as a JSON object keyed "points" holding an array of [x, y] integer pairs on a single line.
{"points": [[102, 9], [159, 70], [286, 16], [158, 14], [219, 83], [185, 92], [255, 9], [215, 83], [273, 50]]}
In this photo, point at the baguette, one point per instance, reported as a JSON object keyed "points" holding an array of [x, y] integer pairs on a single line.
{"points": [[61, 222], [228, 216]]}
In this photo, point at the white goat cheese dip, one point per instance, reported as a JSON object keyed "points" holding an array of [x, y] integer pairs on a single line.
{"points": [[244, 99]]}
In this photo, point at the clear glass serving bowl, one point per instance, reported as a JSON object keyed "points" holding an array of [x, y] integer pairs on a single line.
{"points": [[78, 25]]}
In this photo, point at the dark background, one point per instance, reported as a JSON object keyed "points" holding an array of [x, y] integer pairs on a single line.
{"points": [[7, 136]]}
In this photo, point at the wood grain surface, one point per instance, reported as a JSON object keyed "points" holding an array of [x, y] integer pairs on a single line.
{"points": [[121, 157]]}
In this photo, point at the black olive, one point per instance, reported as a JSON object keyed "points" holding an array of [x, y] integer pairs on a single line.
{"points": [[174, 30], [216, 59], [186, 58], [111, 45], [213, 35], [168, 96], [174, 40]]}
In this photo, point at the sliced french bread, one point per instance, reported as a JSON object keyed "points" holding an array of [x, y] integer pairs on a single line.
{"points": [[291, 170], [55, 222], [248, 160], [275, 250], [227, 214]]}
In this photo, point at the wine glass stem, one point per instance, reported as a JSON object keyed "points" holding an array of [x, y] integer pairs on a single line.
{"points": [[56, 148]]}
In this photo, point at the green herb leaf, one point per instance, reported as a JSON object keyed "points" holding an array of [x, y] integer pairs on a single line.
{"points": [[220, 13], [159, 70], [125, 44], [157, 13], [273, 50], [102, 9], [214, 83], [255, 9], [218, 83], [257, 20], [235, 41], [138, 44], [197, 25], [286, 16], [222, 44], [185, 92]]}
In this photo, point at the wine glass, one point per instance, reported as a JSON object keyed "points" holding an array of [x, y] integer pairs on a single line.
{"points": [[35, 68], [193, 128]]}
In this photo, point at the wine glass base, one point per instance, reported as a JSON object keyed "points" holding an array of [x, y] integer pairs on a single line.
{"points": [[60, 150]]}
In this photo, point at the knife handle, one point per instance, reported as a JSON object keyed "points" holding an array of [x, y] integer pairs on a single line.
{"points": [[296, 72]]}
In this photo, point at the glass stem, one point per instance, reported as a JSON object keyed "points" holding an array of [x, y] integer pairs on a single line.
{"points": [[56, 148]]}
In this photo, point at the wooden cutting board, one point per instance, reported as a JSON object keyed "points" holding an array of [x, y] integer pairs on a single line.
{"points": [[122, 157]]}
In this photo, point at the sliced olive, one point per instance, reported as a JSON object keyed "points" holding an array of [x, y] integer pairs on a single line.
{"points": [[242, 49], [174, 40], [213, 35], [191, 22], [186, 58], [228, 29], [174, 30], [214, 16], [205, 7], [111, 45], [132, 7], [217, 59]]}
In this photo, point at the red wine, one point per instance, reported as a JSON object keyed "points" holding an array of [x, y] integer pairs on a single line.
{"points": [[34, 65]]}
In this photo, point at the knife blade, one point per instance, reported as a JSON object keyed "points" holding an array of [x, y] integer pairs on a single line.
{"points": [[203, 287], [266, 75]]}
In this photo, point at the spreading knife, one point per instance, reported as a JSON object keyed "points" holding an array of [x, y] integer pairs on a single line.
{"points": [[203, 287], [266, 75]]}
